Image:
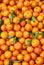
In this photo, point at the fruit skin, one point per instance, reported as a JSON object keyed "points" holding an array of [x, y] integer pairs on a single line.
{"points": [[18, 46], [15, 53], [30, 49], [11, 33], [22, 40], [24, 52], [2, 57], [4, 47], [39, 60], [40, 18], [19, 34], [3, 27], [6, 21], [16, 63], [12, 3], [28, 27], [8, 54], [16, 27], [2, 41], [35, 43], [25, 34], [16, 19], [20, 5], [37, 9], [6, 61], [37, 50], [26, 3], [26, 57], [42, 41], [43, 47], [0, 52], [33, 56], [31, 62], [4, 35], [42, 54], [13, 58], [35, 14], [24, 63], [20, 57], [1, 62], [28, 14], [35, 29], [42, 6], [9, 27], [23, 23], [34, 23], [6, 1], [12, 48]]}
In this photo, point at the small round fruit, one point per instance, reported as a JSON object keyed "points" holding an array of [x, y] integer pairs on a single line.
{"points": [[19, 34], [16, 27], [28, 27], [37, 50], [42, 41], [39, 60], [37, 9], [11, 33], [26, 57], [25, 34], [4, 47], [15, 53], [4, 35], [25, 63], [16, 20], [3, 27], [22, 40], [24, 52], [16, 63], [18, 46], [8, 54], [6, 21], [33, 56], [20, 57], [1, 62], [30, 49], [35, 42], [31, 62], [2, 41], [28, 14], [42, 54], [6, 61]]}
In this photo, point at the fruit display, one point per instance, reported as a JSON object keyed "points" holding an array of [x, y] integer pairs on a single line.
{"points": [[21, 32]]}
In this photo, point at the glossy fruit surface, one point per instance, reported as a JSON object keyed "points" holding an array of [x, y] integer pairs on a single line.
{"points": [[21, 32]]}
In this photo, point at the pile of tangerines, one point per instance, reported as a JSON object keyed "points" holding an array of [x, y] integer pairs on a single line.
{"points": [[21, 32]]}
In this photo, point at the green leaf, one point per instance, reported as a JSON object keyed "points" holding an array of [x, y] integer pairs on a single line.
{"points": [[29, 41], [1, 22], [12, 15], [10, 63], [0, 32], [27, 21], [8, 47], [10, 37], [30, 32], [42, 34], [36, 35], [17, 61], [15, 39], [33, 19], [22, 19]]}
